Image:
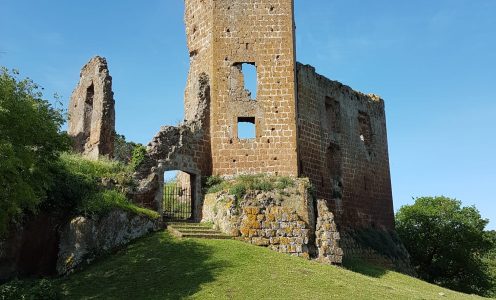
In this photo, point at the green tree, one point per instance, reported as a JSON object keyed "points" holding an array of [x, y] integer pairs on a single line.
{"points": [[490, 260], [123, 150], [447, 243], [139, 154], [30, 142]]}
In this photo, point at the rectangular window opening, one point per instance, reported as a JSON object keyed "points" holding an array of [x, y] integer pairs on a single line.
{"points": [[365, 128], [250, 79], [246, 128]]}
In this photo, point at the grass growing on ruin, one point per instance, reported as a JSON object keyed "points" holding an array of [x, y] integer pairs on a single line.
{"points": [[94, 169], [104, 201], [162, 267], [81, 182], [243, 184]]}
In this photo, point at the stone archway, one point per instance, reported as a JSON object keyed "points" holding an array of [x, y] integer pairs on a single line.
{"points": [[150, 173], [185, 147], [194, 187]]}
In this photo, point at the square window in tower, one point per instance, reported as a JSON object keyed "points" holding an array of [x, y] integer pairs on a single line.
{"points": [[246, 128]]}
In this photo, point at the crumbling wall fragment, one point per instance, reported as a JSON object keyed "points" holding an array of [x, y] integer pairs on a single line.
{"points": [[327, 236], [343, 150], [185, 147], [92, 112]]}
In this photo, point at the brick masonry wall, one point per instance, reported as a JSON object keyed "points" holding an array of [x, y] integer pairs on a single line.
{"points": [[198, 18], [259, 32], [343, 150]]}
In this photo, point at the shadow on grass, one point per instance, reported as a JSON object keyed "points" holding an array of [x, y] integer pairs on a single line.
{"points": [[155, 267], [364, 268]]}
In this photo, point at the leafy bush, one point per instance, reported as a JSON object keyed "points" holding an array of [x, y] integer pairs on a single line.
{"points": [[214, 180], [490, 260], [214, 184], [123, 150], [30, 142], [29, 290], [139, 154], [12, 290], [447, 243]]}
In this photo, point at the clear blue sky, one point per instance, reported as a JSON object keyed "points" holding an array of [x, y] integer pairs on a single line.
{"points": [[434, 62]]}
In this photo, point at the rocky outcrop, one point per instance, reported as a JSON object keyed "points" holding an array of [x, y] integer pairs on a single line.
{"points": [[91, 111], [84, 239]]}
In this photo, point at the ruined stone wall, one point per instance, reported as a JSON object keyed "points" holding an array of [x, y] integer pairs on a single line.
{"points": [[83, 240], [279, 220], [327, 236], [284, 220], [181, 148], [260, 33], [92, 112], [198, 20], [343, 150]]}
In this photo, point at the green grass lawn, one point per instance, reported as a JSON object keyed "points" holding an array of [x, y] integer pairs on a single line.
{"points": [[162, 267]]}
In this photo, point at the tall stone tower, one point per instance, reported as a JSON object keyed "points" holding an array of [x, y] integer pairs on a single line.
{"points": [[225, 38]]}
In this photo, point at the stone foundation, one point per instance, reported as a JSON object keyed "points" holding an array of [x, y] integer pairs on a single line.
{"points": [[282, 220]]}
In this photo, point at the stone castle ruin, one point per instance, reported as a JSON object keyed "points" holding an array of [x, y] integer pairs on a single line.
{"points": [[304, 126], [91, 111]]}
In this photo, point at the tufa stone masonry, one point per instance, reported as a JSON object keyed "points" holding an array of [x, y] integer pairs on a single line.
{"points": [[91, 111], [303, 125]]}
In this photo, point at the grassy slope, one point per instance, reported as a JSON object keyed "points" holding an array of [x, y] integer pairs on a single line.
{"points": [[162, 267]]}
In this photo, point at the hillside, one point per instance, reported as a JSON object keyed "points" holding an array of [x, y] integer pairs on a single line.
{"points": [[162, 267]]}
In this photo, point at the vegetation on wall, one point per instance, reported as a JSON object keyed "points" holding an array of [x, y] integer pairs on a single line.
{"points": [[93, 188], [447, 243], [242, 184], [138, 156]]}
